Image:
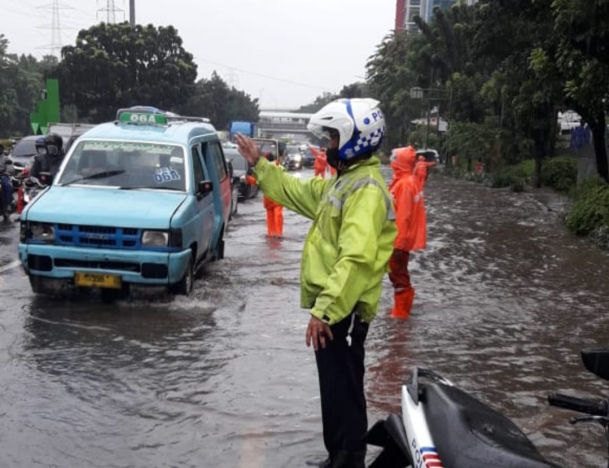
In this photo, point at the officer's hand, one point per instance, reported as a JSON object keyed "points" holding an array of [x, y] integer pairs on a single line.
{"points": [[248, 149], [318, 331]]}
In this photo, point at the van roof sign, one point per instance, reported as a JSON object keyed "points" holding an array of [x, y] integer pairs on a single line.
{"points": [[142, 118]]}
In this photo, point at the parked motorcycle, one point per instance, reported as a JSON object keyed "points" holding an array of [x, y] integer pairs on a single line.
{"points": [[444, 426]]}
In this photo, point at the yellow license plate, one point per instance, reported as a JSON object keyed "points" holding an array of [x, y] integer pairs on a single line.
{"points": [[95, 280]]}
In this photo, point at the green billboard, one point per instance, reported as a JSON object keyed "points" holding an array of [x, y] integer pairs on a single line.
{"points": [[47, 108]]}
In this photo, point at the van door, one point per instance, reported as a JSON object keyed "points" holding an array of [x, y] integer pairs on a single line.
{"points": [[216, 164], [204, 224]]}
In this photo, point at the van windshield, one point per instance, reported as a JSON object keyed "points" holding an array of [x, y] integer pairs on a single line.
{"points": [[128, 165]]}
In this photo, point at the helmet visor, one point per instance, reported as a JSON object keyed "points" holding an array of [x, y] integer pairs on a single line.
{"points": [[323, 132]]}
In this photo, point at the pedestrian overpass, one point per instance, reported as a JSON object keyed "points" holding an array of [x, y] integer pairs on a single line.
{"points": [[284, 124]]}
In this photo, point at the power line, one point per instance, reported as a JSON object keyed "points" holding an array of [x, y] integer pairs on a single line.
{"points": [[264, 76]]}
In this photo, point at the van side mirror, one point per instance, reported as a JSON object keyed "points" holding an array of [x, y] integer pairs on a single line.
{"points": [[205, 188], [9, 162]]}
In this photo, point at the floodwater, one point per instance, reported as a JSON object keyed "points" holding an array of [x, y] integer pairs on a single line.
{"points": [[505, 301]]}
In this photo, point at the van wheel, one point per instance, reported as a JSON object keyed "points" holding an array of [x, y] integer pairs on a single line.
{"points": [[36, 284], [186, 284]]}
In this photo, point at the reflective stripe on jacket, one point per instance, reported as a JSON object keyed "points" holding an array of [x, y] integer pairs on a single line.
{"points": [[349, 244]]}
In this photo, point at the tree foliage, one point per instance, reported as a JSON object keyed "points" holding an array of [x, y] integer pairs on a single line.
{"points": [[353, 90], [119, 65], [21, 80], [507, 67], [220, 103]]}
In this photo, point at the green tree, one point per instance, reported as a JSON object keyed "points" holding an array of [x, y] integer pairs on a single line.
{"points": [[8, 94], [21, 80], [220, 103], [391, 72], [583, 63], [318, 103], [119, 65]]}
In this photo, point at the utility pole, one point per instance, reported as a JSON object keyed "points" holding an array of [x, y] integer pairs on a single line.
{"points": [[132, 12]]}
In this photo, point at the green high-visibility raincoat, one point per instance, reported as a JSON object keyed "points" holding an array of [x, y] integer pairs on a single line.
{"points": [[347, 249]]}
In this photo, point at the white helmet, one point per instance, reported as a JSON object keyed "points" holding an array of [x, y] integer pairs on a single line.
{"points": [[359, 122]]}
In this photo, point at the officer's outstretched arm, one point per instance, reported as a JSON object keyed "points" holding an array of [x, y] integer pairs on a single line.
{"points": [[301, 196]]}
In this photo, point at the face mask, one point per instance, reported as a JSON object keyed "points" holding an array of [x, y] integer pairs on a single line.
{"points": [[52, 150], [333, 158]]}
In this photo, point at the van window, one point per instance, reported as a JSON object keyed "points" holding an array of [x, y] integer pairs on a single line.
{"points": [[218, 160], [198, 167]]}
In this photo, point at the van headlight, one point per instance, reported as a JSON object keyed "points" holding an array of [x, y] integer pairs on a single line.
{"points": [[155, 238], [42, 232]]}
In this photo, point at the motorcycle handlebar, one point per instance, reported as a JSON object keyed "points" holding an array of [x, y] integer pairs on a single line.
{"points": [[32, 181], [597, 408]]}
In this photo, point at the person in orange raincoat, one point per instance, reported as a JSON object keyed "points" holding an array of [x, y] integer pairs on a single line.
{"points": [[421, 170], [274, 211], [411, 223], [320, 164]]}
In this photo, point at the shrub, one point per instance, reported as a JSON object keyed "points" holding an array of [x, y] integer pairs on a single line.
{"points": [[590, 212], [505, 177], [525, 169], [560, 173]]}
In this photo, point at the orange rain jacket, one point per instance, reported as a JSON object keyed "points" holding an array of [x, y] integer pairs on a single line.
{"points": [[409, 206], [320, 161], [421, 171]]}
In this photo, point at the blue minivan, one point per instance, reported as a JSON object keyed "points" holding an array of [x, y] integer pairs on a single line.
{"points": [[142, 202]]}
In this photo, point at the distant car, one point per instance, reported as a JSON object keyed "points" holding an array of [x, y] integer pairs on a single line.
{"points": [[240, 168], [430, 155], [22, 154], [293, 161], [229, 145], [235, 180], [308, 160]]}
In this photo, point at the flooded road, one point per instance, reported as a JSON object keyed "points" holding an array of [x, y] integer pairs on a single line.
{"points": [[505, 301]]}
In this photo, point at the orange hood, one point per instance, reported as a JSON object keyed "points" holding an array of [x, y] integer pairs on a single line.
{"points": [[405, 159]]}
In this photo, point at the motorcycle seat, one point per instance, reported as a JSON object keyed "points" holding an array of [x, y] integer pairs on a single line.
{"points": [[469, 434]]}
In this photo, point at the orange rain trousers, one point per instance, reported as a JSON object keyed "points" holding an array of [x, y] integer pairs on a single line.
{"points": [[274, 218]]}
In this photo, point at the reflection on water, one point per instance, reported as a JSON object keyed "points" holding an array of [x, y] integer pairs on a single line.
{"points": [[505, 299]]}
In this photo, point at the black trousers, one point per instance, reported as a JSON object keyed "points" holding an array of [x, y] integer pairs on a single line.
{"points": [[343, 402]]}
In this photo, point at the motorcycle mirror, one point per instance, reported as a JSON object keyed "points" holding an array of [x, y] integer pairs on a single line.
{"points": [[597, 362], [46, 178]]}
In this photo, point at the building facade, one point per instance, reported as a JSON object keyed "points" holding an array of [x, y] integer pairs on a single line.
{"points": [[406, 10]]}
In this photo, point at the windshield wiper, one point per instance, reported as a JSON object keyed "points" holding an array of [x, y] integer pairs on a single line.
{"points": [[152, 188], [96, 176]]}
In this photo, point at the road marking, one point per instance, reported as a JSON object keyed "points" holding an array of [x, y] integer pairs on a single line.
{"points": [[10, 266]]}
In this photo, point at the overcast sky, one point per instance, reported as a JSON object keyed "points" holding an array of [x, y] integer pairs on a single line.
{"points": [[285, 52]]}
